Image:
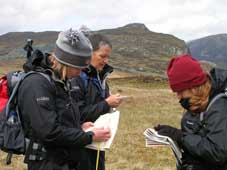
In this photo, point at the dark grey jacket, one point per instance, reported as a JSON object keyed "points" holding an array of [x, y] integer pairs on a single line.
{"points": [[89, 92], [205, 140], [50, 118], [91, 99]]}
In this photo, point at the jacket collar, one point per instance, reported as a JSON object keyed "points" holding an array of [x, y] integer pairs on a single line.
{"points": [[92, 71], [218, 81]]}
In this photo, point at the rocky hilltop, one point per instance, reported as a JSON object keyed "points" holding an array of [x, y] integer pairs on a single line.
{"points": [[136, 49]]}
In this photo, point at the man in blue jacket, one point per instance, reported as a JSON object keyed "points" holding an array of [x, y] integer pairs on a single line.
{"points": [[92, 94]]}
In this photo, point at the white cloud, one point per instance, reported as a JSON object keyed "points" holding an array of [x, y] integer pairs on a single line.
{"points": [[186, 19]]}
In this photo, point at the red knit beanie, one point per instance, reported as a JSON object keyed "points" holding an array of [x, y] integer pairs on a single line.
{"points": [[185, 72]]}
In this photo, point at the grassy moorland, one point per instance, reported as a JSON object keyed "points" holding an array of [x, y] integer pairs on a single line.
{"points": [[149, 103], [9, 65]]}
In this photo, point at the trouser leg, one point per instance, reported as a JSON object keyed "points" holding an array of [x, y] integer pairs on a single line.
{"points": [[89, 161]]}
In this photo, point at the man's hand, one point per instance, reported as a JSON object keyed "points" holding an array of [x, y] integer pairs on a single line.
{"points": [[114, 100]]}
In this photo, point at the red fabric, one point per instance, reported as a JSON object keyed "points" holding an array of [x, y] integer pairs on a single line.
{"points": [[185, 72], [3, 92]]}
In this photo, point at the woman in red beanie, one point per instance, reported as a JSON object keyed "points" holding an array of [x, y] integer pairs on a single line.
{"points": [[203, 133]]}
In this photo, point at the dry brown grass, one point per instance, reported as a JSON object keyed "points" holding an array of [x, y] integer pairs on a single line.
{"points": [[145, 108], [148, 104], [9, 65]]}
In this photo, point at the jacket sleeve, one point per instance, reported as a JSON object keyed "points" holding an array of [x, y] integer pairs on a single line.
{"points": [[212, 146], [37, 104], [92, 112], [89, 112]]}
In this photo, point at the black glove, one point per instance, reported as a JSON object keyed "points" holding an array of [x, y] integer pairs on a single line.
{"points": [[173, 133]]}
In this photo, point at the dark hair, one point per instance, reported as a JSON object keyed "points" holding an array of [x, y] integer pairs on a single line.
{"points": [[97, 40]]}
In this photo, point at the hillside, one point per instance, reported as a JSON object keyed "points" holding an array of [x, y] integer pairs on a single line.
{"points": [[212, 48], [136, 49], [11, 44]]}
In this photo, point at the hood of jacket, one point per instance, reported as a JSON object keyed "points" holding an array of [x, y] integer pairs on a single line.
{"points": [[37, 61], [91, 71], [218, 81]]}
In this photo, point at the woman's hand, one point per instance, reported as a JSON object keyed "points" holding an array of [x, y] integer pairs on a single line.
{"points": [[172, 132], [101, 134], [87, 125]]}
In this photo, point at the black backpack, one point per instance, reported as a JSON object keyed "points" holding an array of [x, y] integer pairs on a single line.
{"points": [[12, 138]]}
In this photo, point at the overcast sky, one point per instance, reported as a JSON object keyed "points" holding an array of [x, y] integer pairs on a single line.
{"points": [[185, 19]]}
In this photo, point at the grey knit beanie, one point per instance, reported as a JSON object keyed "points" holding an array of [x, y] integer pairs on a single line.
{"points": [[73, 48]]}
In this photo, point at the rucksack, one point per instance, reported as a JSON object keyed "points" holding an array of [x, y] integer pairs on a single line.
{"points": [[7, 83], [3, 92], [12, 138]]}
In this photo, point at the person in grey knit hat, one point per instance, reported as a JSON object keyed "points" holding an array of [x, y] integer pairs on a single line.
{"points": [[50, 118], [73, 49]]}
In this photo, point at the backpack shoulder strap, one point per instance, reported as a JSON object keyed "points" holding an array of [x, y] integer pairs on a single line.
{"points": [[84, 78], [21, 77], [215, 99], [95, 81], [212, 102], [46, 76]]}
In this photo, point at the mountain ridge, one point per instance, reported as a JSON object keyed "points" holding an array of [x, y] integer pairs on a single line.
{"points": [[136, 49], [211, 48]]}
